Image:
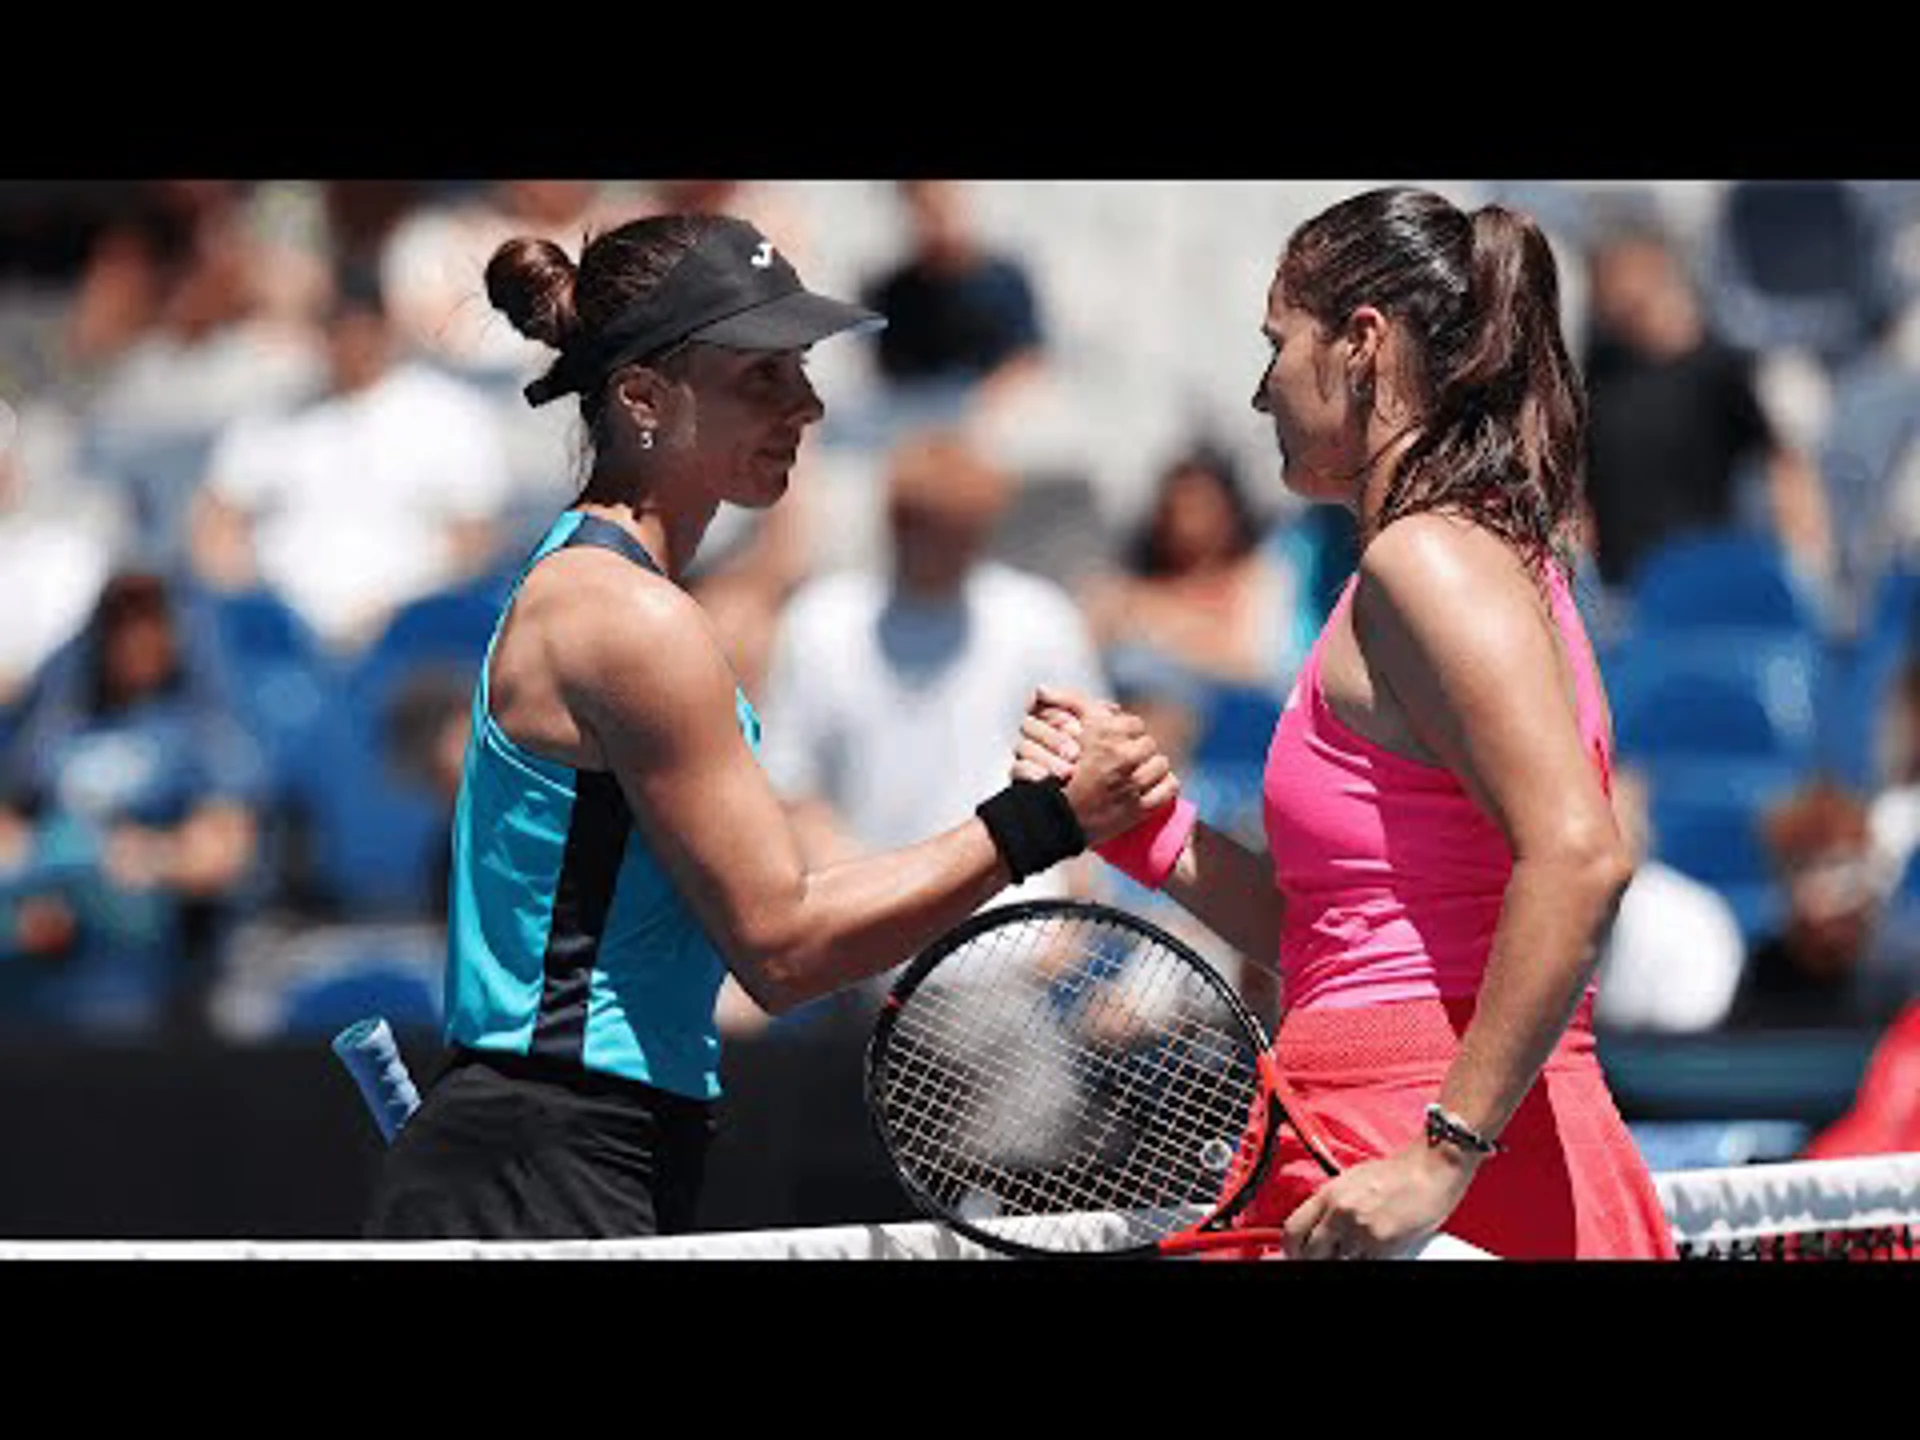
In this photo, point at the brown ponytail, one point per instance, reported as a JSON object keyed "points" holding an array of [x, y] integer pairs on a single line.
{"points": [[1503, 431]]}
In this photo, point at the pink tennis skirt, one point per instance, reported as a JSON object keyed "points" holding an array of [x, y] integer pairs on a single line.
{"points": [[1570, 1183]]}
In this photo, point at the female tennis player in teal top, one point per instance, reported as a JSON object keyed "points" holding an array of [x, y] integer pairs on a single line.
{"points": [[616, 848]]}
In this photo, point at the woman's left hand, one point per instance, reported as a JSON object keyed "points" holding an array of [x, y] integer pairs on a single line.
{"points": [[1380, 1209], [1049, 743]]}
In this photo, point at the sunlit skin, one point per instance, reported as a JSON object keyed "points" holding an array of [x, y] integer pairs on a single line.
{"points": [[941, 510], [1639, 293], [937, 212], [727, 427], [1336, 424], [1197, 526], [141, 653], [360, 350]]}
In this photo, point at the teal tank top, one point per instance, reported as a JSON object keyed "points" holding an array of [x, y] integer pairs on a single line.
{"points": [[566, 938]]}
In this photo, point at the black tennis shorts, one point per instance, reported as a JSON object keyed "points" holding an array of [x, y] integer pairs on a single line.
{"points": [[505, 1147]]}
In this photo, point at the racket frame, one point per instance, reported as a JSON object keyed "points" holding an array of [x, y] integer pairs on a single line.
{"points": [[1211, 1232]]}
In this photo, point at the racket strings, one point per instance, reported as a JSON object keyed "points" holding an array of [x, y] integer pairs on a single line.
{"points": [[1143, 1175], [1136, 1082], [1046, 1069]]}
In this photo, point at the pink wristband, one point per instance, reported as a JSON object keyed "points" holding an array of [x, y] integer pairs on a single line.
{"points": [[1149, 851]]}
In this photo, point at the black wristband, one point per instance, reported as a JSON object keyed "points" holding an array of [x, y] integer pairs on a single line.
{"points": [[1032, 825]]}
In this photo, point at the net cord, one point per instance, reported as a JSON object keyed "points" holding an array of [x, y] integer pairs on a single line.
{"points": [[1726, 1207]]}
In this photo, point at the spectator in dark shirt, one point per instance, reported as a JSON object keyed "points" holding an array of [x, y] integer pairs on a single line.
{"points": [[963, 320], [1676, 420]]}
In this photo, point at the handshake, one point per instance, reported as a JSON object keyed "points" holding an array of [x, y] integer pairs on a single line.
{"points": [[1119, 784]]}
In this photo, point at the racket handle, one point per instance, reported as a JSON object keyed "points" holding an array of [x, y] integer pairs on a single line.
{"points": [[1201, 1242], [1266, 1243], [368, 1050]]}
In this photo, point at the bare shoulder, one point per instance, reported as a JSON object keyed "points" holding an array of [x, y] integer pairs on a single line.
{"points": [[1437, 569], [622, 638], [1445, 585], [1440, 553]]}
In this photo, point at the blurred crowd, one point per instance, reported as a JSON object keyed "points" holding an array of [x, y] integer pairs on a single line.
{"points": [[266, 471]]}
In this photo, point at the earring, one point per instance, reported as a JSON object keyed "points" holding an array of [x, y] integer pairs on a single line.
{"points": [[646, 439]]}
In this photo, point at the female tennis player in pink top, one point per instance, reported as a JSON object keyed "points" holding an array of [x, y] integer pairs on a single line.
{"points": [[1442, 855]]}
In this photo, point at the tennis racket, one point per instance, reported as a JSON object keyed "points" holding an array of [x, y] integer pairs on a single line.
{"points": [[1061, 1077], [368, 1050]]}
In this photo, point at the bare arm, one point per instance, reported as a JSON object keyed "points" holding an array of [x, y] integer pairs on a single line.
{"points": [[213, 849], [816, 825], [16, 836], [1455, 641], [202, 856], [1798, 503], [657, 698], [1229, 889], [220, 540]]}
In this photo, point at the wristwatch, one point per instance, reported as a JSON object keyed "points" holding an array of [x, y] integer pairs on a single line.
{"points": [[1444, 1127]]}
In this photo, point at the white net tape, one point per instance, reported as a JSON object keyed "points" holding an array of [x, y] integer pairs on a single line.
{"points": [[912, 1240], [1711, 1210], [1746, 1205]]}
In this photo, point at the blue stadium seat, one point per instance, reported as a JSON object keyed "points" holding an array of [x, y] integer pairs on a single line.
{"points": [[276, 671], [259, 624], [324, 976], [1236, 725], [1859, 686], [1695, 780], [448, 625], [324, 1004], [1712, 833], [1229, 797], [1720, 578], [1717, 692], [1892, 612], [376, 825], [373, 833]]}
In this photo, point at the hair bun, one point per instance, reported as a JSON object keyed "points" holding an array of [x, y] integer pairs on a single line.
{"points": [[530, 281]]}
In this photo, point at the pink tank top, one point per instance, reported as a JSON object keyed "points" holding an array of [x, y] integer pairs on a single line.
{"points": [[1393, 877]]}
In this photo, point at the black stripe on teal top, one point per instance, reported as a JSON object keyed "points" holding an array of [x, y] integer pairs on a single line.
{"points": [[566, 937]]}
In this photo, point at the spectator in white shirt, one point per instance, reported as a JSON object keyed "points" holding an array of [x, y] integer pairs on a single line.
{"points": [[889, 694], [60, 532], [388, 487], [1675, 955]]}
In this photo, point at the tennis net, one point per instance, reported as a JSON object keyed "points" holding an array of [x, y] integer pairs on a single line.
{"points": [[1857, 1209], [1861, 1209]]}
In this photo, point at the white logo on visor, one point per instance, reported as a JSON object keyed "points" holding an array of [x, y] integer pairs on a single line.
{"points": [[763, 256]]}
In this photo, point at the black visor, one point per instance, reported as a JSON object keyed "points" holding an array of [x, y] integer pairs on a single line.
{"points": [[733, 289]]}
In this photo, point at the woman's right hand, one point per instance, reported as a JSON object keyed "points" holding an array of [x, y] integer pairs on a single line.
{"points": [[1114, 771]]}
